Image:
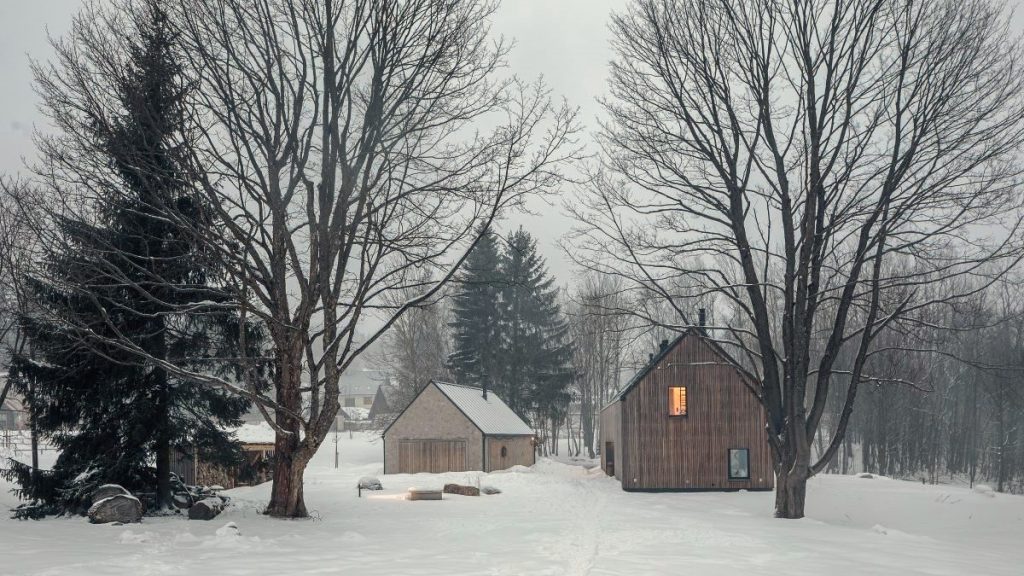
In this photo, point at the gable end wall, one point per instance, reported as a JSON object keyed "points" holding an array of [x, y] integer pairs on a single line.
{"points": [[432, 416]]}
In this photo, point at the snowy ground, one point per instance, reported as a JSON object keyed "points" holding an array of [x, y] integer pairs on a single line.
{"points": [[552, 519]]}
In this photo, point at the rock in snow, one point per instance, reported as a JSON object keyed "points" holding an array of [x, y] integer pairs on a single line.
{"points": [[229, 530], [370, 483], [108, 490], [460, 489], [117, 508], [865, 475], [489, 490], [985, 490], [206, 509]]}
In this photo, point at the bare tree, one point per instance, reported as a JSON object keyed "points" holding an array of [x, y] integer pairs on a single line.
{"points": [[814, 164], [349, 153], [17, 244], [348, 147], [600, 332], [416, 347]]}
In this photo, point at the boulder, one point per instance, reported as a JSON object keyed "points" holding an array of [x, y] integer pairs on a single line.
{"points": [[460, 489], [370, 483], [106, 491], [206, 509], [984, 490], [181, 501], [229, 530], [489, 490], [123, 508]]}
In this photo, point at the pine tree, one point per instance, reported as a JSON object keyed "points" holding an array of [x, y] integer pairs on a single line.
{"points": [[128, 270], [536, 350], [476, 330]]}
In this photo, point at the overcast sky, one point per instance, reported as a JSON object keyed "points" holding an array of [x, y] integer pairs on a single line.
{"points": [[566, 41], [563, 40]]}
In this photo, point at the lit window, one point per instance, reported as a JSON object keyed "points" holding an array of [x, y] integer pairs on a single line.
{"points": [[739, 464], [677, 401]]}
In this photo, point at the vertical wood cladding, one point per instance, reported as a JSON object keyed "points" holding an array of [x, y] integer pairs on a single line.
{"points": [[611, 432], [432, 456], [662, 452]]}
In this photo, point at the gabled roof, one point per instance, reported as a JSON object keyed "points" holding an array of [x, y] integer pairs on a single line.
{"points": [[743, 372], [491, 415], [360, 382]]}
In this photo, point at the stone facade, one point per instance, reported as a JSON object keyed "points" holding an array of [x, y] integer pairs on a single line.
{"points": [[432, 416], [519, 451]]}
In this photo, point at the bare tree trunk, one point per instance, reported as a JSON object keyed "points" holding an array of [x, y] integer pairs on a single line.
{"points": [[290, 458], [791, 493]]}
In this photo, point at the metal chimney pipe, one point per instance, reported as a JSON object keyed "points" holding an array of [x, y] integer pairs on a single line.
{"points": [[702, 321]]}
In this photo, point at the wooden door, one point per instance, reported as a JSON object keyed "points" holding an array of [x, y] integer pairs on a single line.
{"points": [[609, 458], [434, 456]]}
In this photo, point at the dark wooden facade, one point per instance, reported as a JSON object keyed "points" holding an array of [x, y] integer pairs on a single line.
{"points": [[648, 449]]}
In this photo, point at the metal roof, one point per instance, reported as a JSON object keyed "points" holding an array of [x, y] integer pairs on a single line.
{"points": [[491, 415]]}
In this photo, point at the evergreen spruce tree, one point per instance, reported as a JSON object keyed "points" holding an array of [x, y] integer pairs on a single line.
{"points": [[129, 269], [476, 331], [536, 347]]}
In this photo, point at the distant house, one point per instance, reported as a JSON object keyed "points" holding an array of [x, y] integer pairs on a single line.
{"points": [[358, 388], [453, 428], [350, 419], [386, 405], [687, 421], [13, 415]]}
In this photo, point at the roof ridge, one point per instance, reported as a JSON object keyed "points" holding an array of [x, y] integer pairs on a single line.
{"points": [[458, 385]]}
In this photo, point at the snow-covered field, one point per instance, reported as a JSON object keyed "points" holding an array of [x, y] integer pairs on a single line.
{"points": [[552, 519]]}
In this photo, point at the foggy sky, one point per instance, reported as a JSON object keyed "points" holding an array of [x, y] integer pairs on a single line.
{"points": [[563, 40], [566, 41]]}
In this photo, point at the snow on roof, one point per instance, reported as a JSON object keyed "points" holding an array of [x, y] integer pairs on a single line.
{"points": [[491, 416], [360, 382], [254, 433], [355, 413]]}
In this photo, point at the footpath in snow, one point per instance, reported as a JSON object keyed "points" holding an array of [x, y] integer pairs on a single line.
{"points": [[551, 519]]}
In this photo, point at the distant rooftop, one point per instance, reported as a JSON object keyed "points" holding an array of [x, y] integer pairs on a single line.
{"points": [[491, 416], [361, 382]]}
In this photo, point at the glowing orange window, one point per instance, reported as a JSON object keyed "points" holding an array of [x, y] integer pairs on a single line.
{"points": [[677, 401]]}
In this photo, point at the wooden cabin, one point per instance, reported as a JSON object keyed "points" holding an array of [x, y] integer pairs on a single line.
{"points": [[256, 441], [687, 421], [453, 428]]}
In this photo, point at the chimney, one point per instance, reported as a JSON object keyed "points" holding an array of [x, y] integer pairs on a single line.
{"points": [[650, 357], [484, 386], [702, 321], [663, 345]]}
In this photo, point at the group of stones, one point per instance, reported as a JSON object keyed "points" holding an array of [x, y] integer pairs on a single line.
{"points": [[112, 503], [372, 483]]}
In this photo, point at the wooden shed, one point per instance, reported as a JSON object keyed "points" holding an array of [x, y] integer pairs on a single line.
{"points": [[688, 421], [257, 443], [454, 428]]}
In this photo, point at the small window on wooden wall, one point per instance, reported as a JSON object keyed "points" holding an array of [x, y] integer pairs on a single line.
{"points": [[739, 464], [677, 401]]}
